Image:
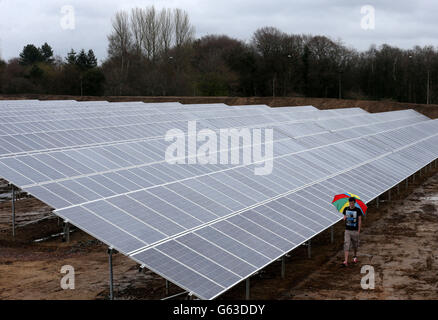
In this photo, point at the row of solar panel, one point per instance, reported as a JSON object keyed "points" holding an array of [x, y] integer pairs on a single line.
{"points": [[204, 199], [117, 108], [124, 120], [27, 170], [214, 258], [61, 139], [28, 142], [53, 122], [36, 115], [281, 114], [113, 109]]}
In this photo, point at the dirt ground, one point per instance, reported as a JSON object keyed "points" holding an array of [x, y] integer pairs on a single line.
{"points": [[401, 246], [28, 209], [399, 239]]}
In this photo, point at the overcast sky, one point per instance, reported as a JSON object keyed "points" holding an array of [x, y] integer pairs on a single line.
{"points": [[403, 23]]}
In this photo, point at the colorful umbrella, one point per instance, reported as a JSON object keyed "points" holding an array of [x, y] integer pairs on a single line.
{"points": [[340, 201]]}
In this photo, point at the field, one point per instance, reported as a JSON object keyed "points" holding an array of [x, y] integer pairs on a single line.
{"points": [[399, 240]]}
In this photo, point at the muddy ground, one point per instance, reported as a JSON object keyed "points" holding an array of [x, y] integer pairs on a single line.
{"points": [[399, 239]]}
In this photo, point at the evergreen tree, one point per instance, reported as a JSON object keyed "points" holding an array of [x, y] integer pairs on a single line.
{"points": [[92, 60], [71, 57], [47, 53], [82, 60], [30, 55]]}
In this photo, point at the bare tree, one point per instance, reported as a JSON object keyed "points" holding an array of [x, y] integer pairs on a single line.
{"points": [[151, 31], [428, 52], [137, 22], [184, 31], [120, 42], [166, 29], [342, 57], [268, 41]]}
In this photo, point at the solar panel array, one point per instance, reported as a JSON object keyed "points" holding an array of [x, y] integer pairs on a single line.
{"points": [[204, 227]]}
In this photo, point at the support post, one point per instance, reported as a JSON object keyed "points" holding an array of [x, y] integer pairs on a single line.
{"points": [[398, 189], [247, 295], [389, 195], [110, 262], [309, 249], [377, 202], [66, 231], [13, 211], [283, 267], [332, 234], [167, 287], [407, 183], [413, 177]]}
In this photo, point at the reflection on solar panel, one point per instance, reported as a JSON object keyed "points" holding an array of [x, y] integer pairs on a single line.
{"points": [[204, 227]]}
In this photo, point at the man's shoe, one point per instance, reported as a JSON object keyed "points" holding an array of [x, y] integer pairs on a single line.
{"points": [[355, 259], [344, 264]]}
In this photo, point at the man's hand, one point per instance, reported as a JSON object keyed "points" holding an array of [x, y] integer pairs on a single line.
{"points": [[345, 217]]}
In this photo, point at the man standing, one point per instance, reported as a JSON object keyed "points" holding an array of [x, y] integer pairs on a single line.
{"points": [[353, 222]]}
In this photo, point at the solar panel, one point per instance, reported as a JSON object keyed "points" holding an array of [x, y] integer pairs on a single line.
{"points": [[206, 227]]}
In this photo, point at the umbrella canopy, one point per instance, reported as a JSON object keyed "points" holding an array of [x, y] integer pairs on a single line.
{"points": [[340, 201]]}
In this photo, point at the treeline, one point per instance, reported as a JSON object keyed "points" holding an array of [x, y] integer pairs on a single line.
{"points": [[37, 70], [155, 52]]}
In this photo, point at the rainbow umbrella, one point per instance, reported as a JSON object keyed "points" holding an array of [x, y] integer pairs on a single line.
{"points": [[340, 201]]}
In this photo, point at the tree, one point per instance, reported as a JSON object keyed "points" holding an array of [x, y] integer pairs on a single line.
{"points": [[47, 53], [82, 60], [71, 57], [342, 58], [30, 55], [167, 24], [210, 60], [184, 31], [120, 43], [83, 67], [148, 43], [93, 81], [2, 71], [91, 59]]}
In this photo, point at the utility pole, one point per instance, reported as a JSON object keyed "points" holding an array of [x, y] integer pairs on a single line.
{"points": [[428, 87], [340, 85], [273, 87]]}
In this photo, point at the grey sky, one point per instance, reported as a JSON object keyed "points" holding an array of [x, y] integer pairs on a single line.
{"points": [[404, 23]]}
